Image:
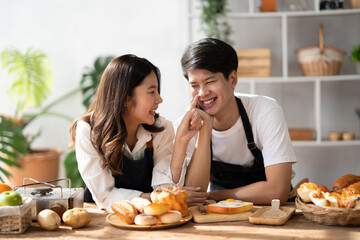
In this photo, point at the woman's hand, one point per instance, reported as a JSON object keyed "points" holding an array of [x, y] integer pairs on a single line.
{"points": [[195, 195]]}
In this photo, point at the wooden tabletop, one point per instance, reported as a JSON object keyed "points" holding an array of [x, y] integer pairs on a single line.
{"points": [[296, 228]]}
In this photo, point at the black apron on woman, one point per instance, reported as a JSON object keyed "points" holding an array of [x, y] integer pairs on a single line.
{"points": [[137, 174], [228, 176]]}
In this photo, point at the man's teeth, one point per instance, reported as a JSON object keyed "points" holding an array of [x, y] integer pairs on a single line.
{"points": [[208, 102]]}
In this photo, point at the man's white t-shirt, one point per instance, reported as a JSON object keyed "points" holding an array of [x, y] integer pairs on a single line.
{"points": [[269, 129]]}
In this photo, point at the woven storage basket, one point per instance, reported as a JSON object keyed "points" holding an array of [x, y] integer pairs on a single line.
{"points": [[15, 219], [329, 215], [320, 60]]}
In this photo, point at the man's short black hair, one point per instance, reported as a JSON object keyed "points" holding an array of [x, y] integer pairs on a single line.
{"points": [[209, 54]]}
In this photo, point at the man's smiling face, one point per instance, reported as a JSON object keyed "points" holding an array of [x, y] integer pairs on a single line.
{"points": [[214, 89]]}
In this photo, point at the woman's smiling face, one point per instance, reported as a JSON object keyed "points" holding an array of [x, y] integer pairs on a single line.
{"points": [[214, 89], [142, 105]]}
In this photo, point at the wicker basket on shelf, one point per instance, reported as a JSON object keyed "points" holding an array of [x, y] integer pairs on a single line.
{"points": [[320, 60], [15, 219], [329, 215]]}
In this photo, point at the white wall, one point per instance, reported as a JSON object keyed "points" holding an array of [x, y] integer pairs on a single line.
{"points": [[73, 33]]}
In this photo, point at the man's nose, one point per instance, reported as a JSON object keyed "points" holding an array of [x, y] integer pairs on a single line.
{"points": [[202, 91]]}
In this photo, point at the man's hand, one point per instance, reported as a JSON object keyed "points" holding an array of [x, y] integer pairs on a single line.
{"points": [[194, 195]]}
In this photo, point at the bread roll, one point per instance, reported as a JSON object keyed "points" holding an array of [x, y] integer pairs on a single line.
{"points": [[145, 220], [345, 181], [125, 210], [305, 189], [140, 203], [170, 217], [156, 208], [175, 196]]}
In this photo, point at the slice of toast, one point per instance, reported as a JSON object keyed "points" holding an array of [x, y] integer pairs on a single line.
{"points": [[230, 206]]}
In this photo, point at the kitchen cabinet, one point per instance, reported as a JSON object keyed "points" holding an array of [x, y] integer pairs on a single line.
{"points": [[323, 103]]}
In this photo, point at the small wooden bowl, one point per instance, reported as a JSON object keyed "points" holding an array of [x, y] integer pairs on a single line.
{"points": [[335, 136], [348, 136]]}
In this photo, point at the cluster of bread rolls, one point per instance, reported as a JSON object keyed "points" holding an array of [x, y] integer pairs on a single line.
{"points": [[345, 194], [161, 210]]}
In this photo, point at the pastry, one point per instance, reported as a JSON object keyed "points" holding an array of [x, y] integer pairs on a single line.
{"points": [[140, 203], [345, 181], [125, 210], [305, 189], [175, 197]]}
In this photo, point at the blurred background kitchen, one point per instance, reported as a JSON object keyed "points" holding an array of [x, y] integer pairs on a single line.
{"points": [[318, 109]]}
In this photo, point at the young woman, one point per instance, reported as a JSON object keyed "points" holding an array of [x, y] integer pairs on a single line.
{"points": [[123, 147]]}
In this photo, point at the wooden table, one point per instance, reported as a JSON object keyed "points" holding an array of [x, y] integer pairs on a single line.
{"points": [[296, 228]]}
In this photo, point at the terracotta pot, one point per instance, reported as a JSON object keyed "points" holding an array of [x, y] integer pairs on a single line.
{"points": [[41, 165]]}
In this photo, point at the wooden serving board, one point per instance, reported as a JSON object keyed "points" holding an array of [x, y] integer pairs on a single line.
{"points": [[217, 217], [258, 218]]}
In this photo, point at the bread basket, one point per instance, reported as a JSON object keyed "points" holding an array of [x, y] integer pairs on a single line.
{"points": [[15, 219], [329, 215], [320, 60]]}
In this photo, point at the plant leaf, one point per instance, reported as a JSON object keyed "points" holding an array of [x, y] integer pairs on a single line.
{"points": [[71, 168], [32, 77], [13, 143], [91, 79]]}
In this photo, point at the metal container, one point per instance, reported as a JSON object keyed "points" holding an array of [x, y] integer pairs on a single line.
{"points": [[49, 196]]}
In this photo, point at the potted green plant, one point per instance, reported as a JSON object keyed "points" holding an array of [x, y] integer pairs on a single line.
{"points": [[88, 85], [213, 19], [31, 83], [355, 57]]}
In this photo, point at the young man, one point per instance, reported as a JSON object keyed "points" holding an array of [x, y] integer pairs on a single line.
{"points": [[251, 151]]}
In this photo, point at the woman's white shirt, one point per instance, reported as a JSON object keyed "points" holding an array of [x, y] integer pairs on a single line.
{"points": [[100, 181]]}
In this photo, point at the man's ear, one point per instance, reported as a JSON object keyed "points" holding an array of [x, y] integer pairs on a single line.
{"points": [[233, 78]]}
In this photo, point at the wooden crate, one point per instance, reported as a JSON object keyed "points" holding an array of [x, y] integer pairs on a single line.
{"points": [[301, 134], [254, 62]]}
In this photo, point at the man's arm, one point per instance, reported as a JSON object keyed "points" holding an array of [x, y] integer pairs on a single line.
{"points": [[276, 186]]}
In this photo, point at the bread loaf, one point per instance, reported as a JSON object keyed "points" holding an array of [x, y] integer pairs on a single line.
{"points": [[175, 197]]}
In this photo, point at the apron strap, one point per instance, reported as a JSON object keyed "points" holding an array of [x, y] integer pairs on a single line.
{"points": [[249, 135]]}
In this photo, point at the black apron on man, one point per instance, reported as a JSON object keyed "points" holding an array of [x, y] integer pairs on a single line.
{"points": [[228, 176], [137, 174]]}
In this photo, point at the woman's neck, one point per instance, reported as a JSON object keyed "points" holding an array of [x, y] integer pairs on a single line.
{"points": [[131, 130]]}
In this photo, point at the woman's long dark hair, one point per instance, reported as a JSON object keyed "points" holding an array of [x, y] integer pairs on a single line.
{"points": [[105, 115]]}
